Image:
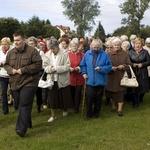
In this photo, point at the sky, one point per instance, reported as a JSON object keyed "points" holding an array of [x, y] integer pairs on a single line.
{"points": [[23, 10]]}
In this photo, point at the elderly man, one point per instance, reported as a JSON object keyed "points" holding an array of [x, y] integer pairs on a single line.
{"points": [[23, 63], [95, 66]]}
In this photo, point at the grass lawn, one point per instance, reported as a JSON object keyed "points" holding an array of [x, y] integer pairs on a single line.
{"points": [[109, 132]]}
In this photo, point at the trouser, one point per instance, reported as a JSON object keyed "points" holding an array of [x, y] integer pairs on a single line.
{"points": [[41, 96], [4, 87], [94, 95], [76, 96], [24, 97]]}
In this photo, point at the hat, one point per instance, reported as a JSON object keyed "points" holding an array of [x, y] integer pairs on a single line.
{"points": [[53, 42]]}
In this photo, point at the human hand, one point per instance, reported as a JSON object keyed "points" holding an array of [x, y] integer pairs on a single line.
{"points": [[71, 69], [97, 68], [120, 67], [114, 68], [139, 65], [52, 69], [85, 76], [19, 71], [14, 71]]}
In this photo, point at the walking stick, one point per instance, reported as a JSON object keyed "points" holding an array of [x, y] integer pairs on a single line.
{"points": [[83, 100]]}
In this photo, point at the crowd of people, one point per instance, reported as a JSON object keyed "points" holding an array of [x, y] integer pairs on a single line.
{"points": [[72, 64]]}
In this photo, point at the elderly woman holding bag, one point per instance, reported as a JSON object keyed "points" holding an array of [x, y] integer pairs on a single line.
{"points": [[59, 97], [140, 59], [120, 61]]}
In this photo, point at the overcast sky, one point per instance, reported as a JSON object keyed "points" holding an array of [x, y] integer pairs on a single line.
{"points": [[23, 10]]}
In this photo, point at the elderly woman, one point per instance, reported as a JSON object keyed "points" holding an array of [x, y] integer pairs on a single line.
{"points": [[120, 61], [76, 78], [4, 77], [108, 45], [41, 94], [125, 46], [64, 43], [140, 59], [59, 97]]}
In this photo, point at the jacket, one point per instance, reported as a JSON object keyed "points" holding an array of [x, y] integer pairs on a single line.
{"points": [[114, 77], [3, 72], [141, 73], [96, 78], [30, 63], [76, 78], [62, 67]]}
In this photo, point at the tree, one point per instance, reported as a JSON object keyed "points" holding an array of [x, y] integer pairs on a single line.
{"points": [[135, 10], [8, 26], [82, 12], [100, 32]]}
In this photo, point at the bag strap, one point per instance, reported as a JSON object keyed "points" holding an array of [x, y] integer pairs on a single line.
{"points": [[132, 73]]}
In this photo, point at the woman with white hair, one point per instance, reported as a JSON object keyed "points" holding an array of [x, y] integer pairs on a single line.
{"points": [[125, 46], [76, 78], [147, 44], [120, 61]]}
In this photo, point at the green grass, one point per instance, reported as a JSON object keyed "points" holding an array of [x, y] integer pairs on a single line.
{"points": [[109, 132]]}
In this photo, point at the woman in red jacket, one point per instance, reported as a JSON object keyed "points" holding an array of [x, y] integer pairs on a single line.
{"points": [[76, 78]]}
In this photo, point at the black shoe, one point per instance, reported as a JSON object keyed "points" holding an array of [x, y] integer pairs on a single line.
{"points": [[76, 110], [19, 133], [120, 114]]}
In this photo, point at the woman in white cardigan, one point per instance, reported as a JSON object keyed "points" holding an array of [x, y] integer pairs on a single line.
{"points": [[4, 77], [59, 97]]}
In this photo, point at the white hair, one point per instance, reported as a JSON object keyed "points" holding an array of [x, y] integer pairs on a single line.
{"points": [[125, 43], [116, 40], [147, 40], [97, 41]]}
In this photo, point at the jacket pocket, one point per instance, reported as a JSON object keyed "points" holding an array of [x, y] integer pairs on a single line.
{"points": [[25, 60]]}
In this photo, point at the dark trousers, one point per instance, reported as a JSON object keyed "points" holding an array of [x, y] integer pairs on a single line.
{"points": [[94, 95], [41, 96], [4, 87], [24, 98], [76, 96]]}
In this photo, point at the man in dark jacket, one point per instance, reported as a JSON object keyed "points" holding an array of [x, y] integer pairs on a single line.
{"points": [[23, 64]]}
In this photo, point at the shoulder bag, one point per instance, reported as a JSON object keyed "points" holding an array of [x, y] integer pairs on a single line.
{"points": [[129, 82]]}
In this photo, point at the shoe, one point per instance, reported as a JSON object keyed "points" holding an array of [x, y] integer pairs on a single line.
{"points": [[51, 119], [10, 103], [76, 110], [19, 133], [65, 113], [44, 106], [120, 113]]}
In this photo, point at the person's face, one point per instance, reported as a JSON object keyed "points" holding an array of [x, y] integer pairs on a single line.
{"points": [[5, 45], [31, 43], [109, 48], [137, 45], [125, 48], [148, 44], [74, 47], [19, 42], [64, 44], [116, 46], [95, 46], [54, 49], [42, 47]]}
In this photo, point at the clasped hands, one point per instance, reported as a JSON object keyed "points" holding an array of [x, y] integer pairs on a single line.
{"points": [[15, 71], [120, 67], [137, 65]]}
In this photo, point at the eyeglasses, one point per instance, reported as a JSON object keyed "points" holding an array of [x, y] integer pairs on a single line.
{"points": [[109, 47]]}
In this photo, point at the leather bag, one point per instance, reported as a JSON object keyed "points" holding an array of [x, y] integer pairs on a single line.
{"points": [[129, 82], [48, 83]]}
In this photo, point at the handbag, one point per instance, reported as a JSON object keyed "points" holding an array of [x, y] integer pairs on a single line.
{"points": [[129, 82], [48, 83]]}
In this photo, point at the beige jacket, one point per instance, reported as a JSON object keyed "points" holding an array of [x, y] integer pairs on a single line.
{"points": [[62, 67]]}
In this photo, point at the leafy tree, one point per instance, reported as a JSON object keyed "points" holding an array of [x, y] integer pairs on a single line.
{"points": [[82, 12], [135, 10], [100, 32], [8, 26]]}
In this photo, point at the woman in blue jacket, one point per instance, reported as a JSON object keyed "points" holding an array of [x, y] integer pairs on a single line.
{"points": [[95, 66]]}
